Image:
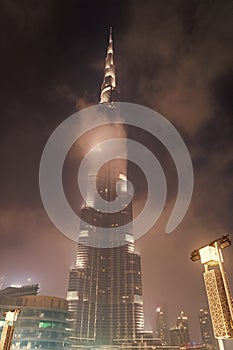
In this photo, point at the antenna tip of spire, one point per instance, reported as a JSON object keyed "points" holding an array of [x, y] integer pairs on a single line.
{"points": [[110, 34]]}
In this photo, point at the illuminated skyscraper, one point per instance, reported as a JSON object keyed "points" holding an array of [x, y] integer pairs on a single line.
{"points": [[105, 287], [161, 325], [179, 335], [108, 89], [183, 325], [207, 333]]}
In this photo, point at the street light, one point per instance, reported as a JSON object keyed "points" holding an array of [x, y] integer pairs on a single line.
{"points": [[8, 328], [223, 241], [217, 287]]}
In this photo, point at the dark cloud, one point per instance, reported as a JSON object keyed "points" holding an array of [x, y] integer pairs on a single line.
{"points": [[183, 49], [183, 68]]}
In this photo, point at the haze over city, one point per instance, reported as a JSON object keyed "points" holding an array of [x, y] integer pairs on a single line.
{"points": [[173, 57]]}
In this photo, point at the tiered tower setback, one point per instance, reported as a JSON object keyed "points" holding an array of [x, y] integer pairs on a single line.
{"points": [[105, 286]]}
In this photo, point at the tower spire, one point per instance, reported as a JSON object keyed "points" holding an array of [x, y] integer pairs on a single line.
{"points": [[109, 81]]}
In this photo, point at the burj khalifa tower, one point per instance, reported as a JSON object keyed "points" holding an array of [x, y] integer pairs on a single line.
{"points": [[105, 286]]}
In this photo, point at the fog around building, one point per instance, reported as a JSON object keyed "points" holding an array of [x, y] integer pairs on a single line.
{"points": [[173, 57]]}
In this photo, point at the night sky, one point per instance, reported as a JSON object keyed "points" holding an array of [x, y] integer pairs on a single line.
{"points": [[171, 56]]}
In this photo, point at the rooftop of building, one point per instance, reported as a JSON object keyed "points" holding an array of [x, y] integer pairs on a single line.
{"points": [[15, 291]]}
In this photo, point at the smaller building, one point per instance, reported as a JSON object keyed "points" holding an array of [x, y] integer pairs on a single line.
{"points": [[207, 333], [161, 329], [43, 322], [179, 334]]}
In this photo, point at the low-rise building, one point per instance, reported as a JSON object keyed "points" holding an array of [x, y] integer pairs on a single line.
{"points": [[42, 324]]}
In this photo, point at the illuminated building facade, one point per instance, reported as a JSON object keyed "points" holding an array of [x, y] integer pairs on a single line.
{"points": [[179, 334], [108, 88], [161, 325], [183, 325], [42, 323], [207, 334], [105, 287], [217, 287], [218, 304]]}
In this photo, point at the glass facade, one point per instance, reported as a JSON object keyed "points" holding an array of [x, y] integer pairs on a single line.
{"points": [[105, 287], [42, 324]]}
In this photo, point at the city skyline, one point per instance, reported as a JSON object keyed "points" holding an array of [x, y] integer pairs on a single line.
{"points": [[49, 74]]}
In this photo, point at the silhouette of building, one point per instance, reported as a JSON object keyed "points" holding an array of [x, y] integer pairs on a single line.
{"points": [[105, 286], [162, 331], [179, 334], [20, 291], [207, 334]]}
